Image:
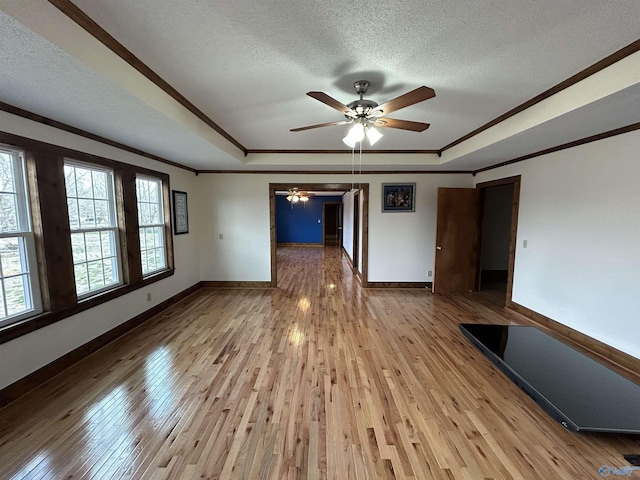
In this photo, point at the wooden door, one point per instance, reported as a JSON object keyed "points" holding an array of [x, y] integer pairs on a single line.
{"points": [[456, 240]]}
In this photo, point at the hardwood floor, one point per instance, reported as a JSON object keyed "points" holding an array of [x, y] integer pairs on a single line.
{"points": [[316, 379]]}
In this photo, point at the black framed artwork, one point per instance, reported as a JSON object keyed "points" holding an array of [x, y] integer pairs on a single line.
{"points": [[180, 213], [398, 197]]}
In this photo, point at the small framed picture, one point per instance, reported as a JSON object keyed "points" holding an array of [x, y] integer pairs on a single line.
{"points": [[398, 197], [180, 213]]}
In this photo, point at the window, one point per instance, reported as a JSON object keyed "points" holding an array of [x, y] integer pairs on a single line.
{"points": [[19, 292], [151, 222], [94, 228], [49, 272]]}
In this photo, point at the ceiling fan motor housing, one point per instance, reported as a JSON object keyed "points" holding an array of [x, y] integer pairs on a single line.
{"points": [[361, 86], [362, 107]]}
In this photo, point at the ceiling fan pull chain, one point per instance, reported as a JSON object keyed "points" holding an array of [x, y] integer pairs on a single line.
{"points": [[360, 168]]}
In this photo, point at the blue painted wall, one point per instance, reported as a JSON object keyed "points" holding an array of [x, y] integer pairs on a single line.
{"points": [[300, 223]]}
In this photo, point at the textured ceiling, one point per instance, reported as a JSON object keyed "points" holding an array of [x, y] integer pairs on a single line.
{"points": [[248, 64]]}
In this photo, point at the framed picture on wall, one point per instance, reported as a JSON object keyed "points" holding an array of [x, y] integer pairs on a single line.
{"points": [[180, 213], [398, 197]]}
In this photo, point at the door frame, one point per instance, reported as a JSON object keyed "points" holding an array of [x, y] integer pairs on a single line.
{"points": [[327, 187], [355, 261], [516, 181]]}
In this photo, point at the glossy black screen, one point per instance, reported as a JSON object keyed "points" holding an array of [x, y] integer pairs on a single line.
{"points": [[573, 388]]}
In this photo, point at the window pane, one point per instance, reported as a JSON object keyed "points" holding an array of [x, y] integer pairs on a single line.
{"points": [[15, 295], [151, 261], [159, 231], [99, 185], [153, 192], [154, 214], [8, 212], [107, 243], [144, 214], [145, 266], [70, 181], [150, 238], [87, 214], [7, 183], [142, 187], [109, 266], [74, 218], [96, 275], [102, 213], [83, 183], [10, 257], [94, 247], [82, 278], [78, 248]]}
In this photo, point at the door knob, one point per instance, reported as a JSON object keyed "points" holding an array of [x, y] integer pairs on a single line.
{"points": [[438, 247]]}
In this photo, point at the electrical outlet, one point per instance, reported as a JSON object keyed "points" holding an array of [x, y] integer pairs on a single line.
{"points": [[524, 244], [429, 273], [148, 296], [221, 236]]}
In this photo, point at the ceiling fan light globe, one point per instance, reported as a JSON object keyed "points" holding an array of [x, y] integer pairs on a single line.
{"points": [[357, 132], [289, 197], [349, 141], [295, 199], [373, 135]]}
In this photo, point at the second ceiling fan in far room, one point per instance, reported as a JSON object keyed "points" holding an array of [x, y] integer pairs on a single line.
{"points": [[366, 114]]}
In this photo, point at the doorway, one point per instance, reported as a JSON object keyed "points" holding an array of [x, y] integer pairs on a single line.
{"points": [[331, 222], [499, 202], [363, 224], [460, 239]]}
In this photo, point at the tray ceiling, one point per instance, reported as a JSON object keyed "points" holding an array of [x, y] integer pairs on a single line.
{"points": [[247, 65]]}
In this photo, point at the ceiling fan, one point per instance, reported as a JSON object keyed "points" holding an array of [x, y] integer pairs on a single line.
{"points": [[294, 196], [365, 114]]}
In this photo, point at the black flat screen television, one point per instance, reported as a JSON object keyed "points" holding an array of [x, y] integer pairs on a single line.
{"points": [[579, 392]]}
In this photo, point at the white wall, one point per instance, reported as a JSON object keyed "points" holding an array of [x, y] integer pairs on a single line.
{"points": [[30, 352], [579, 213], [401, 244], [236, 207]]}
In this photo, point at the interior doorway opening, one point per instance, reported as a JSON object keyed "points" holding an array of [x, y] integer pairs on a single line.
{"points": [[362, 215], [331, 224], [499, 202]]}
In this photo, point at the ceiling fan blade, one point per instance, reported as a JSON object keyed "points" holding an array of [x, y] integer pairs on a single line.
{"points": [[401, 124], [418, 95], [332, 102], [328, 124]]}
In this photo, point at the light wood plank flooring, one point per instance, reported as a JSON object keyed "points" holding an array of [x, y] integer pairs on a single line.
{"points": [[316, 379]]}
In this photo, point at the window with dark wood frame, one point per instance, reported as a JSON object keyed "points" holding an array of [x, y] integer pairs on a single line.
{"points": [[52, 231]]}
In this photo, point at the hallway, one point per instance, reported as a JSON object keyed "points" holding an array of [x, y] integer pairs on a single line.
{"points": [[315, 379]]}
